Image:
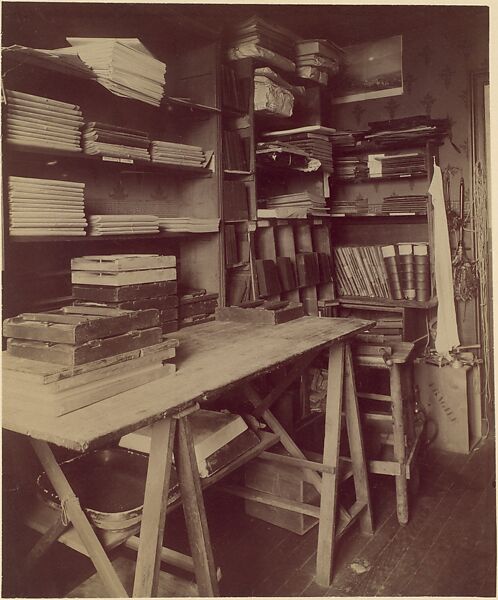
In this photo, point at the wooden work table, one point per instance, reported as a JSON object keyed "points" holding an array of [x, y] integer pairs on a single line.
{"points": [[211, 358]]}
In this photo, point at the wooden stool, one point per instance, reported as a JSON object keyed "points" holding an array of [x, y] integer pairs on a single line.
{"points": [[404, 438]]}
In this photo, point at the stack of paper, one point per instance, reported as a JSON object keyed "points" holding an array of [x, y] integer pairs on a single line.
{"points": [[294, 206], [122, 224], [123, 65], [188, 224], [317, 59], [42, 122], [266, 34], [170, 153], [46, 207], [119, 142]]}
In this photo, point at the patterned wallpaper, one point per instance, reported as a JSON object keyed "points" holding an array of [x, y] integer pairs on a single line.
{"points": [[437, 63]]}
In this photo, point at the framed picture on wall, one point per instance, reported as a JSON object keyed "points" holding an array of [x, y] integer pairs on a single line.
{"points": [[370, 70]]}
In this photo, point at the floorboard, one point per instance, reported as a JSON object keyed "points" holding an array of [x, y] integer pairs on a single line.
{"points": [[448, 547]]}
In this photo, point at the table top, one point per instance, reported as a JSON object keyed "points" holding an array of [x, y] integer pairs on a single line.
{"points": [[211, 358]]}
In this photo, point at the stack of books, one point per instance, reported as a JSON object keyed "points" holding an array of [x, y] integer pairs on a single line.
{"points": [[346, 139], [122, 224], [156, 292], [360, 271], [297, 206], [317, 60], [42, 122], [233, 92], [417, 129], [236, 244], [350, 168], [397, 164], [170, 153], [405, 205], [314, 140], [189, 224], [358, 206], [122, 65], [46, 207], [119, 142], [264, 34], [63, 360], [397, 272]]}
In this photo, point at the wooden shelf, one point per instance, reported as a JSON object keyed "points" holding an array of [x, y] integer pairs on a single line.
{"points": [[53, 157], [358, 180], [359, 300], [105, 238], [381, 216]]}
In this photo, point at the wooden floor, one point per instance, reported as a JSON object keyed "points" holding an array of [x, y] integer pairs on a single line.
{"points": [[448, 547]]}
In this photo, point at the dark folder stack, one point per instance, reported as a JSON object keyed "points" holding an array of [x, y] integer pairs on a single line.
{"points": [[105, 139], [46, 207], [171, 153], [128, 282], [42, 122], [197, 306]]}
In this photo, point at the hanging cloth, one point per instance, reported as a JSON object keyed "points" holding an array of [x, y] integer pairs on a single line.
{"points": [[447, 332]]}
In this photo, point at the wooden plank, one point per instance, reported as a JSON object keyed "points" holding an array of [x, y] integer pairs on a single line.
{"points": [[154, 509], [193, 508], [328, 503], [169, 585], [356, 446], [44, 543], [245, 351], [271, 500], [99, 558], [295, 462], [167, 555]]}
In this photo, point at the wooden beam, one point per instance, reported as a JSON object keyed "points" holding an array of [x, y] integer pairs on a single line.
{"points": [[271, 500], [296, 462], [194, 511], [71, 504], [44, 543], [154, 510]]}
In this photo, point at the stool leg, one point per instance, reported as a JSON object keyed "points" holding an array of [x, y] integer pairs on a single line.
{"points": [[195, 514], [356, 447], [399, 444]]}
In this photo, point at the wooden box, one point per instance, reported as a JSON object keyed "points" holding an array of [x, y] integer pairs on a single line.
{"points": [[285, 482]]}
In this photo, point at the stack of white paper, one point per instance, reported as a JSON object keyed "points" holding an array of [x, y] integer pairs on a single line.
{"points": [[123, 224], [188, 224], [120, 142], [171, 153], [297, 205], [42, 122], [123, 65], [46, 207]]}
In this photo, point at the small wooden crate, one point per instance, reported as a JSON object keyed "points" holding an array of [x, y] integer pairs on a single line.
{"points": [[285, 482]]}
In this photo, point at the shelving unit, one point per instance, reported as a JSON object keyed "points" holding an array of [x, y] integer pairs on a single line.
{"points": [[190, 113], [370, 228]]}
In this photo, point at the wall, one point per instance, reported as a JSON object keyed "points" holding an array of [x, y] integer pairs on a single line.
{"points": [[438, 57]]}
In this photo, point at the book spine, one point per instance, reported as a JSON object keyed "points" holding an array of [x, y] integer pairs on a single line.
{"points": [[389, 256]]}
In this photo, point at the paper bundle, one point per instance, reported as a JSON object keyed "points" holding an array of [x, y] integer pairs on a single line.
{"points": [[188, 224], [42, 122], [317, 59], [46, 207], [171, 153], [123, 65], [296, 206], [122, 224], [119, 142]]}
